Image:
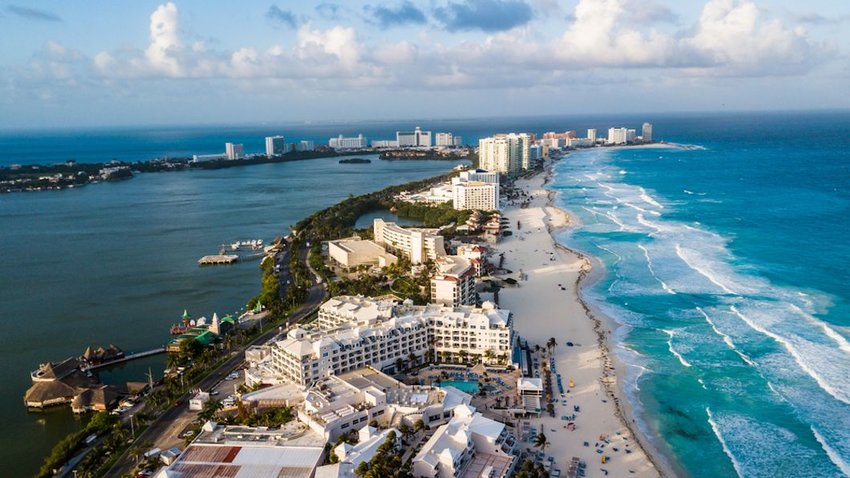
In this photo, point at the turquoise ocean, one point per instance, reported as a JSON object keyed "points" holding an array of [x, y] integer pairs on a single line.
{"points": [[727, 265]]}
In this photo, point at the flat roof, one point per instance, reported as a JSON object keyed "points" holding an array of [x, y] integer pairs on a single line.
{"points": [[241, 461]]}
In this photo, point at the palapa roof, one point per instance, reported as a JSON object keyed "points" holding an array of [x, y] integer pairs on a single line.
{"points": [[59, 370], [47, 391]]}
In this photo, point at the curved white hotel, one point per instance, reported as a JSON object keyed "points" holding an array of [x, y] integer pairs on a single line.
{"points": [[417, 244]]}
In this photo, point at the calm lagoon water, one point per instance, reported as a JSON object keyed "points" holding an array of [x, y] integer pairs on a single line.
{"points": [[116, 263]]}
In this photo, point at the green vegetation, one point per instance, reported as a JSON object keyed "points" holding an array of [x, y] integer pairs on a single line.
{"points": [[385, 464], [65, 449], [430, 215], [338, 220], [530, 470]]}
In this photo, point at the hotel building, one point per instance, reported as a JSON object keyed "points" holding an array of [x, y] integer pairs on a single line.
{"points": [[343, 403], [275, 146], [305, 145], [413, 139], [341, 142], [504, 153], [591, 135], [475, 195], [453, 283], [349, 338], [417, 244], [354, 252], [470, 445], [449, 140], [646, 133], [234, 151]]}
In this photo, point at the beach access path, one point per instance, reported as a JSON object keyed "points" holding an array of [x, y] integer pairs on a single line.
{"points": [[546, 304]]}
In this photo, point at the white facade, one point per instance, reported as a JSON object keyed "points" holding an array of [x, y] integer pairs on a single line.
{"points": [[468, 437], [591, 135], [413, 139], [573, 143], [531, 393], [453, 283], [476, 195], [234, 151], [347, 402], [384, 143], [354, 252], [305, 145], [646, 132], [343, 343], [275, 146], [504, 153], [341, 142], [448, 140], [200, 158], [617, 135], [417, 244]]}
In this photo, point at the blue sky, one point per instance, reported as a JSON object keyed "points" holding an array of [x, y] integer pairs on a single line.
{"points": [[117, 62]]}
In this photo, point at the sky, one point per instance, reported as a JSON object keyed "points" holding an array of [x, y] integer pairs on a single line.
{"points": [[67, 63]]}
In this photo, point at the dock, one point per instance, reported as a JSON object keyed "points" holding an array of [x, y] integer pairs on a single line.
{"points": [[217, 259], [126, 358]]}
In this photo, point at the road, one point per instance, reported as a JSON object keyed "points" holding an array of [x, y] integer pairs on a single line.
{"points": [[164, 430]]}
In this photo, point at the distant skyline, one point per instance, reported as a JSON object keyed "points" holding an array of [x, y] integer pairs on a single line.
{"points": [[102, 63]]}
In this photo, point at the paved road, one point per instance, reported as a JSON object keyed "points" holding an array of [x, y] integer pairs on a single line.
{"points": [[164, 429]]}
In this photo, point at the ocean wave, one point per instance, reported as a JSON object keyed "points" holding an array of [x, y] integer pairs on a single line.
{"points": [[794, 349], [652, 271], [649, 199], [702, 267], [726, 450], [670, 335], [833, 455]]}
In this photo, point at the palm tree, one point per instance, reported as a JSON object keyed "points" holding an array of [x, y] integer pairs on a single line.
{"points": [[552, 343], [413, 359], [211, 407], [488, 355], [463, 354], [540, 441]]}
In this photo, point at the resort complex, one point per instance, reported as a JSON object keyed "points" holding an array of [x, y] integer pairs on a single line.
{"points": [[424, 351]]}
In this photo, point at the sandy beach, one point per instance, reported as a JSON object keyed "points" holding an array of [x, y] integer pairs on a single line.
{"points": [[546, 304]]}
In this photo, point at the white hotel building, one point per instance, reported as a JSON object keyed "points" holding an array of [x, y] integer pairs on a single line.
{"points": [[470, 445], [417, 244], [275, 146], [504, 153], [413, 139], [356, 332], [477, 190], [453, 283], [234, 151], [341, 142]]}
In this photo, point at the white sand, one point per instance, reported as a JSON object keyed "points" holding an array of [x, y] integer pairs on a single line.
{"points": [[542, 310]]}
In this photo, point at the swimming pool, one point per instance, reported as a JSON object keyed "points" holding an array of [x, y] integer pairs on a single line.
{"points": [[468, 386]]}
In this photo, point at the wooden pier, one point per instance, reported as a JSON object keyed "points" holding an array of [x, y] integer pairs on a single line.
{"points": [[217, 259], [126, 358]]}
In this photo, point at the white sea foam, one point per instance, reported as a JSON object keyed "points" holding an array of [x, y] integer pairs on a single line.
{"points": [[670, 335], [648, 199], [839, 339], [833, 455], [652, 271], [691, 259], [640, 209], [725, 337], [792, 349], [723, 444]]}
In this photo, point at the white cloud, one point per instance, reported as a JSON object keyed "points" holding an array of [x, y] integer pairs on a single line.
{"points": [[730, 38], [165, 45]]}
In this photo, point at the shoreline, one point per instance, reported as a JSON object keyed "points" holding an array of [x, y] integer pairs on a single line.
{"points": [[605, 410], [624, 410]]}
